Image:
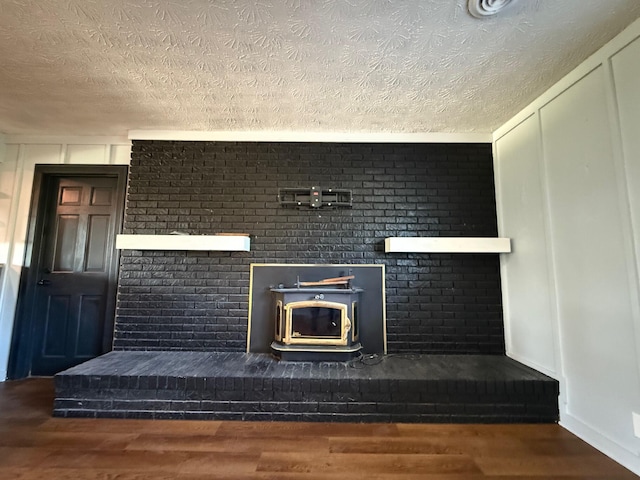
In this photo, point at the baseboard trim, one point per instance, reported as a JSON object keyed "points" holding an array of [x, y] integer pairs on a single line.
{"points": [[597, 440]]}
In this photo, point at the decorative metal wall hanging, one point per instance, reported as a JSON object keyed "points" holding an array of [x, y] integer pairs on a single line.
{"points": [[315, 197]]}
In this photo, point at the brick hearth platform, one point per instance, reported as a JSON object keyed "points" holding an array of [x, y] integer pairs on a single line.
{"points": [[238, 386]]}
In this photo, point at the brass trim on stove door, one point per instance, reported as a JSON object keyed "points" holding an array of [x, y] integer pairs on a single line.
{"points": [[278, 320], [355, 322], [289, 339]]}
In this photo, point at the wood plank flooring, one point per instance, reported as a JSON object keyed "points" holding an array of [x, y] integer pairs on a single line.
{"points": [[33, 445]]}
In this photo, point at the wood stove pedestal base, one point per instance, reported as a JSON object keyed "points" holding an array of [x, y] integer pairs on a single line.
{"points": [[319, 353]]}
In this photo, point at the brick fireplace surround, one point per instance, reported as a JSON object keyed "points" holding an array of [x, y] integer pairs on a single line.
{"points": [[181, 321]]}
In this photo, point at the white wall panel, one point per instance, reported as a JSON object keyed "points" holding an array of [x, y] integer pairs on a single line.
{"points": [[30, 156], [120, 155], [528, 304], [43, 153], [9, 177], [594, 297], [87, 154], [589, 172], [626, 70]]}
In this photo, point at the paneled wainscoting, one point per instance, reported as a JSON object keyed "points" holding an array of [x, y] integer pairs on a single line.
{"points": [[239, 386]]}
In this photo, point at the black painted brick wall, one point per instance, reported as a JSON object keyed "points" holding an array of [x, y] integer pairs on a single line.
{"points": [[436, 303]]}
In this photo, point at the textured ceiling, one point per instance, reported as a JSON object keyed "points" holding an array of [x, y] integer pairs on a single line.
{"points": [[87, 67]]}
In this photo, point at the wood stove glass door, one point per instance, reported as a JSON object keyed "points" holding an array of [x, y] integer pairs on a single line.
{"points": [[316, 323]]}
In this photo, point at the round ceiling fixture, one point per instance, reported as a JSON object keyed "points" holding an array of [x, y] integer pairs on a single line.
{"points": [[486, 8]]}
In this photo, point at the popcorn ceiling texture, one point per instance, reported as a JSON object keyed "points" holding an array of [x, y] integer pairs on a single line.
{"points": [[106, 67]]}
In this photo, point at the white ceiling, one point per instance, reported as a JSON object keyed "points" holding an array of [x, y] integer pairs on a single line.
{"points": [[93, 67]]}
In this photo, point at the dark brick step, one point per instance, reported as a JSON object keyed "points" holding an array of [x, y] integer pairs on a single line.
{"points": [[417, 388]]}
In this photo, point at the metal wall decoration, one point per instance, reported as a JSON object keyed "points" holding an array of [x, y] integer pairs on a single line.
{"points": [[315, 197]]}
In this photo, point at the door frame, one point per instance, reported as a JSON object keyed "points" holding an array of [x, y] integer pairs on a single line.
{"points": [[22, 345]]}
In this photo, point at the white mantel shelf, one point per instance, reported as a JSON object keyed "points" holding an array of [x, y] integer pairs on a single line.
{"points": [[224, 243], [447, 245]]}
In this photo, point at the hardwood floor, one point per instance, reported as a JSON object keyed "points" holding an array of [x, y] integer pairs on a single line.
{"points": [[33, 445]]}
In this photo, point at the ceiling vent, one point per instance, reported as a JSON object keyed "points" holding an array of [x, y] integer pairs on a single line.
{"points": [[486, 8]]}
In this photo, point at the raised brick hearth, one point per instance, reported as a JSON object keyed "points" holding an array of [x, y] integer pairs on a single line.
{"points": [[240, 386], [182, 316]]}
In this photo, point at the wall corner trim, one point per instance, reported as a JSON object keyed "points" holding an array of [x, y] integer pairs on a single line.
{"points": [[67, 139]]}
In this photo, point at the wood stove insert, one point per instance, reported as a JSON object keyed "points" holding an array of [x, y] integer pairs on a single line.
{"points": [[333, 319], [316, 323]]}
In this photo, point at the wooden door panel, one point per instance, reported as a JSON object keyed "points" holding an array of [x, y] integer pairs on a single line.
{"points": [[56, 320], [70, 195], [64, 244], [88, 338], [102, 196], [97, 243], [66, 303], [77, 255]]}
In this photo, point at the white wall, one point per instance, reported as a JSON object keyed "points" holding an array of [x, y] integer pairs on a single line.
{"points": [[17, 163], [568, 190]]}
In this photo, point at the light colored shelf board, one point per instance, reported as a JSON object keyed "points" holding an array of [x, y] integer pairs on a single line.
{"points": [[447, 245], [225, 243]]}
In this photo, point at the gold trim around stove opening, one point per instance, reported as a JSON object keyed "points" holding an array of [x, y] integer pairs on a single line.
{"points": [[345, 324], [381, 266]]}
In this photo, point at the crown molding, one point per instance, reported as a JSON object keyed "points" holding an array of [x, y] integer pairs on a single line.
{"points": [[319, 137], [66, 139]]}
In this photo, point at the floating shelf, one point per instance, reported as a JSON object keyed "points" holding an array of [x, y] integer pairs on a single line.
{"points": [[447, 245], [224, 243]]}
